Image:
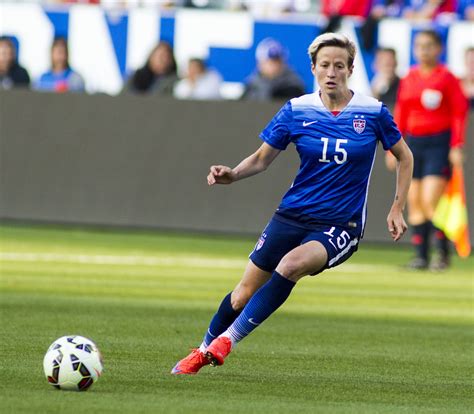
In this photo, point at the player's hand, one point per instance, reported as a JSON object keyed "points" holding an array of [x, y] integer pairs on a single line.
{"points": [[220, 174], [396, 224], [390, 161], [456, 157]]}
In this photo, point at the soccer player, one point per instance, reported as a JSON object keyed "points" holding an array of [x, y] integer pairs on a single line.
{"points": [[431, 113], [321, 218]]}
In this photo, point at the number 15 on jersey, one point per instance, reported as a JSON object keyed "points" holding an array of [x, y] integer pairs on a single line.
{"points": [[340, 156]]}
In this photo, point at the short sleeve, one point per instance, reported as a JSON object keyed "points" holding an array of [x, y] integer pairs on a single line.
{"points": [[277, 132], [388, 132]]}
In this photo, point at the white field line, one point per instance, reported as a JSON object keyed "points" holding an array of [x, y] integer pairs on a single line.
{"points": [[122, 260], [133, 260]]}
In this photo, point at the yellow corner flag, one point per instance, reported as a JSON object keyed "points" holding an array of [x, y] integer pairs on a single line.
{"points": [[451, 213]]}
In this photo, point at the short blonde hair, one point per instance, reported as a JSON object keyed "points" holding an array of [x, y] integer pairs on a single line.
{"points": [[332, 39]]}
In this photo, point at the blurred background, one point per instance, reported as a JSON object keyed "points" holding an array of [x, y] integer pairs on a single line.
{"points": [[112, 110]]}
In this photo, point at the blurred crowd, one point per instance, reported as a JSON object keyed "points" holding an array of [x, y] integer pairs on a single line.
{"points": [[410, 9], [272, 77]]}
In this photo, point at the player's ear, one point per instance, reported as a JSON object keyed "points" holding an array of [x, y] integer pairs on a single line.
{"points": [[313, 68], [351, 69]]}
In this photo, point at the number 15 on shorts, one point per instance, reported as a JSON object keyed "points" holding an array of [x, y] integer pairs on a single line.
{"points": [[338, 242]]}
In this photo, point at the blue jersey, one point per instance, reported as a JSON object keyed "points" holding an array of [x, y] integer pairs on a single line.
{"points": [[337, 156]]}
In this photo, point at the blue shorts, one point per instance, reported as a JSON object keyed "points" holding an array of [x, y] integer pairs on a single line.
{"points": [[431, 155], [280, 237]]}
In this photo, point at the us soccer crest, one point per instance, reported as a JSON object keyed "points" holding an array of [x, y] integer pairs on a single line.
{"points": [[260, 242], [359, 125]]}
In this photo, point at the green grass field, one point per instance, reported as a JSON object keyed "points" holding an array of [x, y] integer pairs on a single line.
{"points": [[363, 338]]}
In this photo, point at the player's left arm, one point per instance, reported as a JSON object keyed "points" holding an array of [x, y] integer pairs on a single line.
{"points": [[395, 221]]}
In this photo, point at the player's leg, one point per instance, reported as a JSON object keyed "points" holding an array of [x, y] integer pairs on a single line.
{"points": [[234, 302], [420, 225], [276, 240], [432, 188], [322, 248], [228, 310], [305, 259]]}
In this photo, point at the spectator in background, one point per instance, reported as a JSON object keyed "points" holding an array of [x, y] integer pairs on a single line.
{"points": [[158, 75], [387, 8], [465, 9], [61, 77], [358, 8], [79, 1], [428, 9], [335, 10], [11, 73], [385, 83], [380, 9], [273, 78], [200, 83], [468, 81], [431, 112], [270, 7]]}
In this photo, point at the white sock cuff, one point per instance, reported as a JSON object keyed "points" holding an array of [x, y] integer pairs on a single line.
{"points": [[227, 334]]}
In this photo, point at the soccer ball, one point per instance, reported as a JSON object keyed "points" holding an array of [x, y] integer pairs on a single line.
{"points": [[72, 363]]}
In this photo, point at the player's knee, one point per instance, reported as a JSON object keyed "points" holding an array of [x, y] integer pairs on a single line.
{"points": [[290, 268]]}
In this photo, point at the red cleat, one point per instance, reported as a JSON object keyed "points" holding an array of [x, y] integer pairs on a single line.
{"points": [[191, 364], [218, 350]]}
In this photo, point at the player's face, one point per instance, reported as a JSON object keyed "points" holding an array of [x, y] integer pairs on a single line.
{"points": [[426, 50], [332, 70]]}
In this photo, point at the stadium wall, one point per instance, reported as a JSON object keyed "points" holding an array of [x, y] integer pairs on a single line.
{"points": [[143, 161]]}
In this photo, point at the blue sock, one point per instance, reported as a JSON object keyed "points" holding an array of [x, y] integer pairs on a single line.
{"points": [[224, 316], [262, 304]]}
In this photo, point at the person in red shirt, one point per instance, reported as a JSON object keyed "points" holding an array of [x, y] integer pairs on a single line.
{"points": [[358, 8], [335, 10], [431, 113]]}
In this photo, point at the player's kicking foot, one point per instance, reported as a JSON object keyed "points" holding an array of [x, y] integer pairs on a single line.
{"points": [[191, 364], [218, 350]]}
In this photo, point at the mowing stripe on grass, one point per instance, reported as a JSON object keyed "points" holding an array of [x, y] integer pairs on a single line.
{"points": [[127, 260]]}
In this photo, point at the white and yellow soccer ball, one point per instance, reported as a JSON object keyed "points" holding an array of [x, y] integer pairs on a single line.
{"points": [[72, 363]]}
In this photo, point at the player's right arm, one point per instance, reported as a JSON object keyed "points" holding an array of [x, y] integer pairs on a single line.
{"points": [[252, 165]]}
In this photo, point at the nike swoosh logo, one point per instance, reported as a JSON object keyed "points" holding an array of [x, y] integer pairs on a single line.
{"points": [[305, 124], [253, 323]]}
